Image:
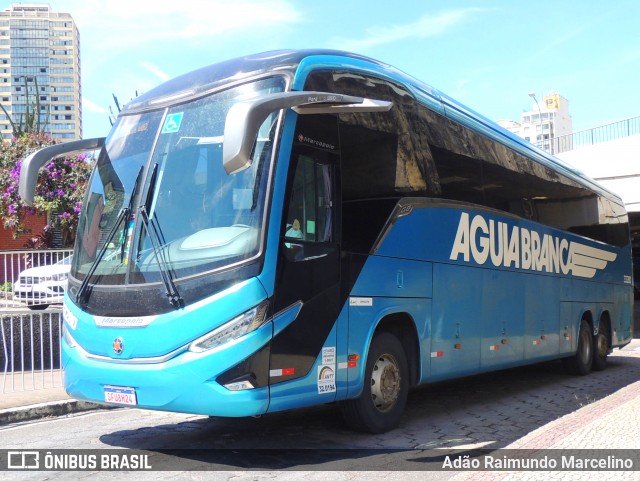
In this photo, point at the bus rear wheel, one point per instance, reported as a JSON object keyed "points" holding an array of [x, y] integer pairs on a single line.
{"points": [[582, 361], [600, 349], [386, 386]]}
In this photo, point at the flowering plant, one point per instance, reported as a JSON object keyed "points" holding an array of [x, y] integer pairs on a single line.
{"points": [[59, 192]]}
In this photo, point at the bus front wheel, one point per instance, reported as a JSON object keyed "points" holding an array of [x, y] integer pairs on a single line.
{"points": [[582, 361], [386, 385]]}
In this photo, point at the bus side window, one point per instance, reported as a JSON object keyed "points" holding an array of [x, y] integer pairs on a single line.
{"points": [[308, 222]]}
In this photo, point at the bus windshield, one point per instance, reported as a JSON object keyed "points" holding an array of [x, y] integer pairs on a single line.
{"points": [[160, 200]]}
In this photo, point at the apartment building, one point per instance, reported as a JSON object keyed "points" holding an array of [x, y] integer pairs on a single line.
{"points": [[547, 120], [40, 70]]}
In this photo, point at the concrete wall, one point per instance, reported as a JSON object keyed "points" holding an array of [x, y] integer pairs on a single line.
{"points": [[614, 164]]}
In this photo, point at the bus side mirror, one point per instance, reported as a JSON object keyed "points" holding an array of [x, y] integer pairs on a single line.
{"points": [[245, 118], [33, 162]]}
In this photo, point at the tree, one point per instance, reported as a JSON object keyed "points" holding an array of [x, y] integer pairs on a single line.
{"points": [[30, 121], [59, 192]]}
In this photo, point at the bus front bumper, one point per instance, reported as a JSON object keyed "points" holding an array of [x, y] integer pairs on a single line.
{"points": [[185, 383]]}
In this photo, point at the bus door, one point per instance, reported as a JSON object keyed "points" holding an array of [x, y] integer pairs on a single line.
{"points": [[308, 273]]}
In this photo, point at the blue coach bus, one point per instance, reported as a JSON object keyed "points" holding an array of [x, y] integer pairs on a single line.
{"points": [[304, 227]]}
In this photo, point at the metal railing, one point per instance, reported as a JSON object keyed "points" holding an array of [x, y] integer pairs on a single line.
{"points": [[30, 355], [30, 281], [604, 133], [33, 279]]}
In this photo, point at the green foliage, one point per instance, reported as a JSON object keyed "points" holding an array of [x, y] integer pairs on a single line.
{"points": [[44, 240], [60, 190]]}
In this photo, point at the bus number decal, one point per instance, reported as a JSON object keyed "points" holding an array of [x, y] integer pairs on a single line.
{"points": [[327, 371], [326, 380]]}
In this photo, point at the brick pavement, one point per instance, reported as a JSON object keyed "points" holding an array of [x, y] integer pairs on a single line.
{"points": [[610, 423]]}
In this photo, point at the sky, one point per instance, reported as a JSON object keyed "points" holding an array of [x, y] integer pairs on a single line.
{"points": [[487, 54]]}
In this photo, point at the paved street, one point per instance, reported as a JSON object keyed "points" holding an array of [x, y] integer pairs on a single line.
{"points": [[489, 411]]}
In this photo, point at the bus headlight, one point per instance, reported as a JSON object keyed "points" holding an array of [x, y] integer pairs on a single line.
{"points": [[235, 328]]}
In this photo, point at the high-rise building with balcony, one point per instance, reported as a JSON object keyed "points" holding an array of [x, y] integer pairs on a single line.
{"points": [[40, 70]]}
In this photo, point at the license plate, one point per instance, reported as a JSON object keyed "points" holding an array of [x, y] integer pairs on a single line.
{"points": [[120, 395]]}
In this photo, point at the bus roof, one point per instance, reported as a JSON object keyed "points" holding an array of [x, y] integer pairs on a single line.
{"points": [[200, 82]]}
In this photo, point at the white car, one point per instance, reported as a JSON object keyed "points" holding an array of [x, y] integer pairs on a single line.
{"points": [[41, 286]]}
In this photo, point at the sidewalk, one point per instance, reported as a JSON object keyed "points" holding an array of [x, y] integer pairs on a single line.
{"points": [[37, 398], [612, 423]]}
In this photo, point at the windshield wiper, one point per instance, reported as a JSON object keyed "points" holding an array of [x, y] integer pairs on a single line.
{"points": [[125, 214], [157, 240], [82, 294], [148, 201], [172, 291]]}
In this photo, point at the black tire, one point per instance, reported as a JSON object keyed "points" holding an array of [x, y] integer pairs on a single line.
{"points": [[601, 347], [580, 364], [386, 385], [38, 307]]}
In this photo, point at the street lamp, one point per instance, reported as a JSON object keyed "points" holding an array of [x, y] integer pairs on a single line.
{"points": [[533, 96]]}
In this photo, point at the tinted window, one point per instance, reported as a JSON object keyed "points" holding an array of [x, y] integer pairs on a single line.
{"points": [[414, 151]]}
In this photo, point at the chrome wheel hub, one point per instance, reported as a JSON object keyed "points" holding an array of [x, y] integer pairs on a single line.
{"points": [[385, 382]]}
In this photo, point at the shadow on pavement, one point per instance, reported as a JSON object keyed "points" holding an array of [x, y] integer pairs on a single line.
{"points": [[485, 411]]}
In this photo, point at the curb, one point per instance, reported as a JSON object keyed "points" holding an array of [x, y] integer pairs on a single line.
{"points": [[49, 409]]}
